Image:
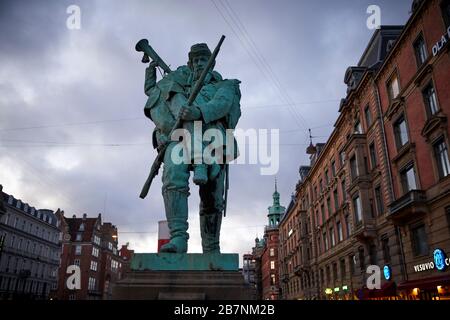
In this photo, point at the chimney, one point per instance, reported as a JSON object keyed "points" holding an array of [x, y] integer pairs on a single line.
{"points": [[84, 216]]}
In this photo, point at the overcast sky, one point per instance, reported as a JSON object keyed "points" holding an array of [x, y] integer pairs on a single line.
{"points": [[73, 134]]}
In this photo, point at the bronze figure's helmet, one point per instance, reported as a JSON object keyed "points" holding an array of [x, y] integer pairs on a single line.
{"points": [[198, 49]]}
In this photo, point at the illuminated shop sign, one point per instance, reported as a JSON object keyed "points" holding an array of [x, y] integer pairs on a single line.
{"points": [[440, 262], [387, 272], [441, 43], [328, 291]]}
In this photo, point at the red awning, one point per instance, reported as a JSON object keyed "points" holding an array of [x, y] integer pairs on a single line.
{"points": [[425, 283]]}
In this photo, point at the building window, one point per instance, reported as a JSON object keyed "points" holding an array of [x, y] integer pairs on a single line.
{"points": [[344, 194], [357, 209], [272, 279], [419, 240], [339, 229], [386, 250], [362, 264], [373, 254], [400, 132], [352, 264], [94, 265], [332, 238], [445, 7], [429, 97], [420, 50], [368, 116], [342, 262], [319, 246], [77, 250], [325, 240], [441, 154], [342, 158], [81, 227], [333, 168], [322, 208], [357, 129], [97, 240], [72, 296], [76, 262], [336, 200], [379, 200], [272, 265], [335, 271], [373, 155], [78, 238], [92, 283], [329, 207], [353, 168], [393, 87], [272, 252], [408, 179], [347, 225], [95, 252]]}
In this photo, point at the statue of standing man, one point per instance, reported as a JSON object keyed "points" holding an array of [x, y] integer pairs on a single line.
{"points": [[216, 106]]}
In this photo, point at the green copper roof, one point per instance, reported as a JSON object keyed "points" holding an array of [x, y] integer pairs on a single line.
{"points": [[275, 210]]}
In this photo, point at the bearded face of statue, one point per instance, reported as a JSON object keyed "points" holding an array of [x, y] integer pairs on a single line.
{"points": [[198, 65]]}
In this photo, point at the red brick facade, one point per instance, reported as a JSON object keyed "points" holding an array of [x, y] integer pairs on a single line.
{"points": [[377, 193]]}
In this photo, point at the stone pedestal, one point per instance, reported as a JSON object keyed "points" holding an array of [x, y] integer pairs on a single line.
{"points": [[169, 276]]}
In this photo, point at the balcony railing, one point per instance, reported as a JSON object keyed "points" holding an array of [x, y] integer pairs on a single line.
{"points": [[414, 200]]}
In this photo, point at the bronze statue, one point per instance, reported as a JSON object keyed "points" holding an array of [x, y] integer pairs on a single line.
{"points": [[188, 96]]}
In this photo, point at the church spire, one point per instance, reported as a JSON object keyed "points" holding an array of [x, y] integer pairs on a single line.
{"points": [[275, 210]]}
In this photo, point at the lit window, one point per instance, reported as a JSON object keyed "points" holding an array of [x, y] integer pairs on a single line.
{"points": [[272, 265], [272, 252]]}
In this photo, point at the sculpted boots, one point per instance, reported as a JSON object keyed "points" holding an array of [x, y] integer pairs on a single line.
{"points": [[210, 231], [176, 206]]}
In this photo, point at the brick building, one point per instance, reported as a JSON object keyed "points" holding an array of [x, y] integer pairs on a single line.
{"points": [[377, 193], [264, 255], [91, 245]]}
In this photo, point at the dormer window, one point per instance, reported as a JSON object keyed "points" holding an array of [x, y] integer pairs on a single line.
{"points": [[25, 208], [10, 200], [18, 204]]}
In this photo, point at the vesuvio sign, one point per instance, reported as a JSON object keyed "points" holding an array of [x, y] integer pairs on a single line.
{"points": [[440, 262], [441, 43]]}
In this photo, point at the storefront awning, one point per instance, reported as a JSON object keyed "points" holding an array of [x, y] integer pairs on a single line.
{"points": [[425, 283], [388, 289]]}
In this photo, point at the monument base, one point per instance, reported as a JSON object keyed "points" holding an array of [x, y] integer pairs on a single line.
{"points": [[182, 285], [172, 276]]}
